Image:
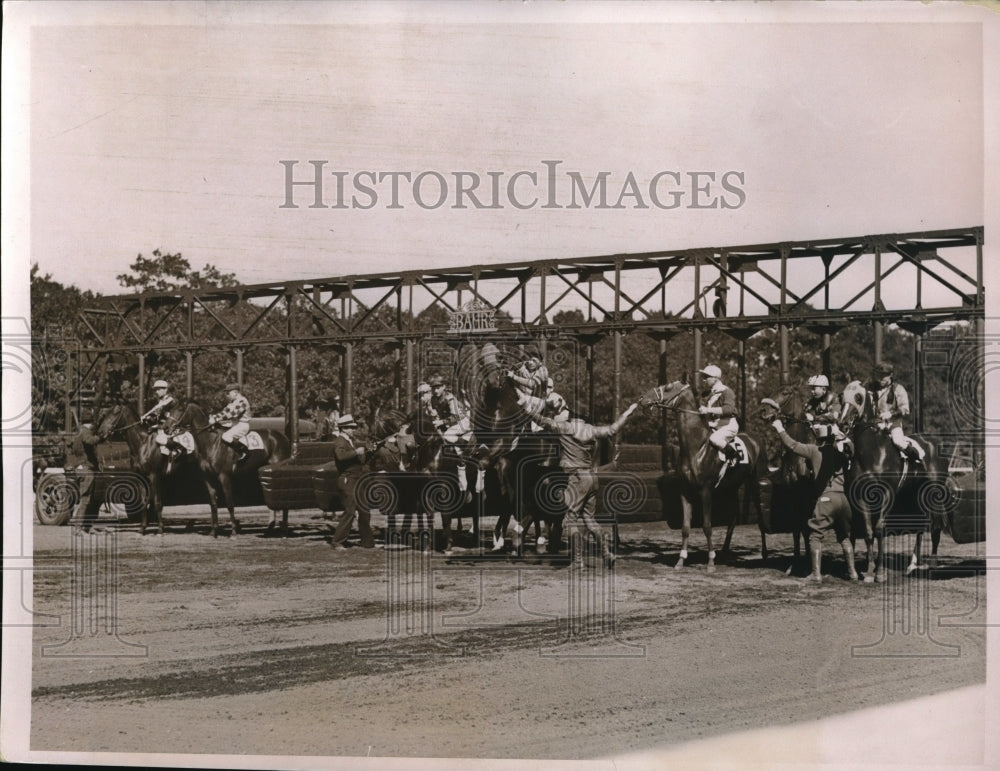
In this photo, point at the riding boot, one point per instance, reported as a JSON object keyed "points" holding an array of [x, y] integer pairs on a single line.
{"points": [[816, 555], [852, 571], [607, 549]]}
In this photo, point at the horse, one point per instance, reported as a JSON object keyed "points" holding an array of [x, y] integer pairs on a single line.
{"points": [[218, 462], [525, 483], [700, 465], [888, 492], [423, 473], [793, 493], [145, 454]]}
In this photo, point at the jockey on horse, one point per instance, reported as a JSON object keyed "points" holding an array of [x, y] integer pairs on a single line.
{"points": [[720, 409], [892, 404], [449, 411], [234, 417], [823, 406], [157, 416]]}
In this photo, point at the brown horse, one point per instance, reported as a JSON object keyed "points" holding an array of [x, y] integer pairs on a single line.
{"points": [[147, 459], [892, 495], [793, 496], [421, 480], [700, 465], [218, 461]]}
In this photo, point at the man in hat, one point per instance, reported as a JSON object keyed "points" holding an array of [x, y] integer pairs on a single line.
{"points": [[823, 406], [828, 461], [578, 440], [83, 463], [720, 410], [892, 404], [350, 468], [235, 418], [327, 415]]}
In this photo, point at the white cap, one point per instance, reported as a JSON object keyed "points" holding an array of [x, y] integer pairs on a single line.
{"points": [[161, 384], [712, 371], [819, 380]]}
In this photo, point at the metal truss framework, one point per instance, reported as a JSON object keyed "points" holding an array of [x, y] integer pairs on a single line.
{"points": [[821, 285]]}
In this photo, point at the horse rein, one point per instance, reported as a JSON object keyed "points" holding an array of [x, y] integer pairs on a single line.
{"points": [[670, 405]]}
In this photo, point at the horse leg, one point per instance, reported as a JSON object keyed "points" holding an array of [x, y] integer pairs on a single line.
{"points": [[796, 553], [932, 561], [706, 515], [213, 505], [685, 531], [914, 556], [446, 526], [227, 490]]}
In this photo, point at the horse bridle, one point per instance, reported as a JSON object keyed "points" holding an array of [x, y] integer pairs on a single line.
{"points": [[658, 390], [769, 413]]}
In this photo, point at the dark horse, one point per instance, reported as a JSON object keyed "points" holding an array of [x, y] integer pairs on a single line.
{"points": [[146, 457], [218, 462], [892, 495], [421, 473], [700, 465], [793, 496]]}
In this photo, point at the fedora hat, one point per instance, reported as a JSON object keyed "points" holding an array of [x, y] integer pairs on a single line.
{"points": [[347, 421]]}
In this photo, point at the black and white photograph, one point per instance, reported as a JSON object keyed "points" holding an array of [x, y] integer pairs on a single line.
{"points": [[507, 385]]}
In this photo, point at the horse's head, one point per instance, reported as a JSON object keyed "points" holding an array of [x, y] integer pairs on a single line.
{"points": [[113, 420], [787, 403], [856, 404], [191, 415], [385, 423], [663, 395]]}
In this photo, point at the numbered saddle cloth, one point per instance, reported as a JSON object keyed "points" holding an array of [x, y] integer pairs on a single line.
{"points": [[254, 441], [185, 440]]}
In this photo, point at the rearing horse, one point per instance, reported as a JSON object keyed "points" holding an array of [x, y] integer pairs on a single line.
{"points": [[700, 465], [793, 495], [145, 453], [218, 462], [891, 495]]}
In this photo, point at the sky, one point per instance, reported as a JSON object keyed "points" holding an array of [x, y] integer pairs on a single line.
{"points": [[171, 137]]}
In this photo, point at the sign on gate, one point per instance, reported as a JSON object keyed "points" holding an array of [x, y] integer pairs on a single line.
{"points": [[474, 316]]}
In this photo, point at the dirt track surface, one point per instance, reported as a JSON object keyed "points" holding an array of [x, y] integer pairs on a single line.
{"points": [[262, 645]]}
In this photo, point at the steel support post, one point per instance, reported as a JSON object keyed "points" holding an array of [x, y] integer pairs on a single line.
{"points": [[918, 383], [188, 375], [617, 406], [140, 392], [411, 386], [239, 366], [293, 398], [347, 376]]}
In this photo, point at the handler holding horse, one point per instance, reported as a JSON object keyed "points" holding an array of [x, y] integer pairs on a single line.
{"points": [[828, 462]]}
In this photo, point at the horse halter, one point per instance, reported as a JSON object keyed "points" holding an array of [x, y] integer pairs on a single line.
{"points": [[670, 404]]}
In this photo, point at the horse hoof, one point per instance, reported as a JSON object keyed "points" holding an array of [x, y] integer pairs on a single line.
{"points": [[710, 568], [497, 543], [541, 541], [679, 565], [869, 579], [852, 577], [788, 572], [880, 578], [910, 569]]}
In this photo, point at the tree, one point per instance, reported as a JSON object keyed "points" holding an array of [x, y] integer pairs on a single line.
{"points": [[167, 272]]}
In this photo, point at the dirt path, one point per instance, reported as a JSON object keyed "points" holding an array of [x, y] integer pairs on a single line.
{"points": [[257, 645]]}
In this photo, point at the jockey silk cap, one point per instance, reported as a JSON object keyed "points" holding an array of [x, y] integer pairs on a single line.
{"points": [[161, 384], [232, 386], [437, 380], [423, 388], [711, 371], [819, 380], [347, 421], [882, 369]]}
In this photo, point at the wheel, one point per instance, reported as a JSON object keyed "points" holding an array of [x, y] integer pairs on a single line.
{"points": [[55, 497]]}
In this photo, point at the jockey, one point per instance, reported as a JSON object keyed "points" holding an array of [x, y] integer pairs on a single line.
{"points": [[532, 376], [452, 413], [234, 417], [823, 407], [892, 404], [721, 409], [157, 416], [554, 402]]}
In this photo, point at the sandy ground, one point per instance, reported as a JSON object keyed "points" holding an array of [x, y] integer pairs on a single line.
{"points": [[256, 645]]}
